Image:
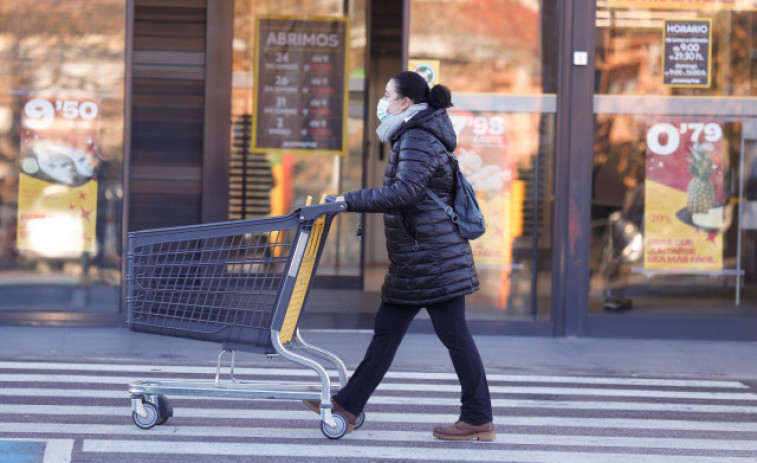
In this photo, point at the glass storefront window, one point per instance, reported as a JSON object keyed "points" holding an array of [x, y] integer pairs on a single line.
{"points": [[499, 59], [276, 183], [675, 115], [61, 149]]}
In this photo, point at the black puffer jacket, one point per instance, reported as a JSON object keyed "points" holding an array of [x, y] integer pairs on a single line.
{"points": [[429, 261]]}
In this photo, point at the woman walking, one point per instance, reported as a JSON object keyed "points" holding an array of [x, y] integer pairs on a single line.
{"points": [[431, 265]]}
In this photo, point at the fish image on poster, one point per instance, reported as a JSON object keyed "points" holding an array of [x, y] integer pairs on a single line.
{"points": [[58, 165]]}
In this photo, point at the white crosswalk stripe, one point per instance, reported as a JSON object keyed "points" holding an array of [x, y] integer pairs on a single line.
{"points": [[539, 418], [97, 379], [279, 372], [372, 452], [446, 401]]}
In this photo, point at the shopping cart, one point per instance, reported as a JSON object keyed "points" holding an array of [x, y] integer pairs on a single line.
{"points": [[242, 284]]}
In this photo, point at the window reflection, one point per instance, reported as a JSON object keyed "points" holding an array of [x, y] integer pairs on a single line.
{"points": [[491, 46], [668, 234], [276, 183], [499, 58], [629, 55], [69, 56]]}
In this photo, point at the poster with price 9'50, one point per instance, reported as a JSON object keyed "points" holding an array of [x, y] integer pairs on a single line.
{"points": [[58, 164]]}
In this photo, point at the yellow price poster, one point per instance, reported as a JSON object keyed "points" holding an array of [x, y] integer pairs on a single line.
{"points": [[57, 200], [684, 196]]}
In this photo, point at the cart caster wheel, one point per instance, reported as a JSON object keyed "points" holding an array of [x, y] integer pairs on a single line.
{"points": [[360, 420], [340, 428], [165, 410], [146, 422]]}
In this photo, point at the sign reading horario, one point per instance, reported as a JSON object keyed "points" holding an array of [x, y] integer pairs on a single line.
{"points": [[686, 61], [300, 103]]}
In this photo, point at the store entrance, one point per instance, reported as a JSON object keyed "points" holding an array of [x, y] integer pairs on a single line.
{"points": [[61, 154]]}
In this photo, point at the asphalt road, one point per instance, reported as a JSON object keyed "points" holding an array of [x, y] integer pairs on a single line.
{"points": [[59, 412]]}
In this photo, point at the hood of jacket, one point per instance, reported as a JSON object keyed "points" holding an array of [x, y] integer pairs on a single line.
{"points": [[434, 121]]}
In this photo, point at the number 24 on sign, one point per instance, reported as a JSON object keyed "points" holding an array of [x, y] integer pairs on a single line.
{"points": [[669, 144]]}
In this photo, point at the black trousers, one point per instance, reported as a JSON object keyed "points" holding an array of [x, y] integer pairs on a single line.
{"points": [[448, 319]]}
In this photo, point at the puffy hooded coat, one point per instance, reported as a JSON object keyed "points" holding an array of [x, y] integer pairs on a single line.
{"points": [[429, 261]]}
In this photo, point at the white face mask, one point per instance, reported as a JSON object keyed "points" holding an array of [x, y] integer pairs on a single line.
{"points": [[382, 108]]}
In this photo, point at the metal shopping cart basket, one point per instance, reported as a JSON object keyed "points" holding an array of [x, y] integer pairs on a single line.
{"points": [[242, 284]]}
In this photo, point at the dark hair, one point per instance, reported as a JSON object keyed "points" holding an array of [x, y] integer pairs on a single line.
{"points": [[412, 85]]}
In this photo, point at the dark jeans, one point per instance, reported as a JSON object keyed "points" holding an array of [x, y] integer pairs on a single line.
{"points": [[392, 321]]}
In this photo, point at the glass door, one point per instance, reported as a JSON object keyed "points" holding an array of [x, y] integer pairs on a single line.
{"points": [[673, 180], [61, 156], [499, 59], [308, 95]]}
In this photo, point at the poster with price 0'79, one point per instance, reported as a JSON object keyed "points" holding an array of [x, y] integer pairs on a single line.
{"points": [[684, 215], [59, 159]]}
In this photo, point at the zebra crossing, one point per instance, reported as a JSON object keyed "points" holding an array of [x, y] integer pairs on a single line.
{"points": [[79, 412]]}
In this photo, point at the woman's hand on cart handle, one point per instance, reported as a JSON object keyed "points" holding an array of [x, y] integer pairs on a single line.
{"points": [[334, 198]]}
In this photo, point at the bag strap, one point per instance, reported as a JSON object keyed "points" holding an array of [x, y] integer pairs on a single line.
{"points": [[447, 209]]}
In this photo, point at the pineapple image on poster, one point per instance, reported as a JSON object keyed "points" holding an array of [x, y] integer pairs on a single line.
{"points": [[684, 196], [700, 193]]}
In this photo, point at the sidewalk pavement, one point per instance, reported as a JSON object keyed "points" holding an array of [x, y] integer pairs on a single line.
{"points": [[418, 352]]}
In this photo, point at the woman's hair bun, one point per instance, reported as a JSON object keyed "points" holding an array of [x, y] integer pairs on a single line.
{"points": [[412, 85], [440, 97]]}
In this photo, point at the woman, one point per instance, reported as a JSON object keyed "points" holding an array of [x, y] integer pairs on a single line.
{"points": [[431, 265]]}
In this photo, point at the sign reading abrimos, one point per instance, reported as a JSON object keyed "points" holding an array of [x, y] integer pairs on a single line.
{"points": [[301, 89]]}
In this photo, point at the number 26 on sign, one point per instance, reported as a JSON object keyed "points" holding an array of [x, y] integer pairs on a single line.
{"points": [[665, 138]]}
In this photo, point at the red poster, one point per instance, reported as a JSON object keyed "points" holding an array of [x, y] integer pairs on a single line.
{"points": [[684, 195], [57, 205]]}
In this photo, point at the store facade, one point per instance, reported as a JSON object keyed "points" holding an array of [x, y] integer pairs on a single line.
{"points": [[611, 144]]}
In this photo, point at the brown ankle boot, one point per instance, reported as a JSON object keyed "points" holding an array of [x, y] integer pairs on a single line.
{"points": [[315, 405], [464, 431]]}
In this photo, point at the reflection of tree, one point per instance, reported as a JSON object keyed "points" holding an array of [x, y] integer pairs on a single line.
{"points": [[61, 49], [65, 47], [738, 75], [629, 59], [482, 49], [246, 13], [619, 161]]}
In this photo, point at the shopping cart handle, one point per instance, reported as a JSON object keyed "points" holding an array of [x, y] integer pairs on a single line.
{"points": [[317, 210]]}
